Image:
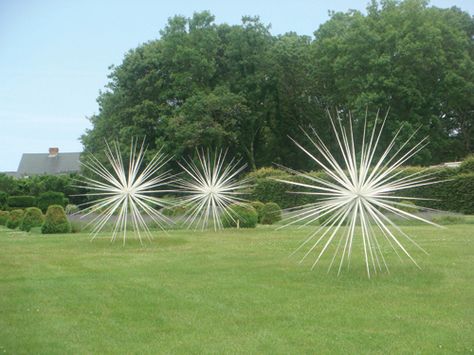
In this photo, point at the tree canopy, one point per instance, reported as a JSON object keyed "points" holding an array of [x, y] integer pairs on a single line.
{"points": [[203, 84]]}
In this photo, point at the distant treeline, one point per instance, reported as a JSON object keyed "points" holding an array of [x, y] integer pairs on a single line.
{"points": [[203, 84]]}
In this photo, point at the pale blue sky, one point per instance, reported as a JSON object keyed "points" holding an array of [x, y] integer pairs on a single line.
{"points": [[54, 56]]}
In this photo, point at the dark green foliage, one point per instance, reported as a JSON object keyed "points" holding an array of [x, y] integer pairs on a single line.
{"points": [[56, 221], [455, 192], [14, 219], [33, 217], [467, 165], [49, 198], [21, 201], [37, 184], [272, 190], [271, 213], [243, 216], [204, 84], [4, 215], [258, 207], [3, 200]]}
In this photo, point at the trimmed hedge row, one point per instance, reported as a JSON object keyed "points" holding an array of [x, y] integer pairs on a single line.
{"points": [[453, 192], [43, 201]]}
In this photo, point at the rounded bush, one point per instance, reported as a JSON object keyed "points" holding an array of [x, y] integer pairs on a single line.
{"points": [[33, 217], [4, 215], [271, 213], [14, 219], [467, 165], [56, 221], [258, 207], [71, 209], [243, 216]]}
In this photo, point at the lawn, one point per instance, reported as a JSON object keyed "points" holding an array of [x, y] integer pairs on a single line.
{"points": [[236, 291]]}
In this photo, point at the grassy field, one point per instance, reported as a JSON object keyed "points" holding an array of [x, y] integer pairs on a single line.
{"points": [[235, 291]]}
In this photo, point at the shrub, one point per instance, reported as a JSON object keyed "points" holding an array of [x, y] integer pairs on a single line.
{"points": [[243, 216], [263, 173], [14, 219], [49, 198], [71, 209], [467, 165], [3, 200], [408, 206], [33, 217], [271, 213], [258, 207], [4, 215], [16, 202], [56, 221]]}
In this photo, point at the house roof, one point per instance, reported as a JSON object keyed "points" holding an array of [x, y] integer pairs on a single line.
{"points": [[43, 163]]}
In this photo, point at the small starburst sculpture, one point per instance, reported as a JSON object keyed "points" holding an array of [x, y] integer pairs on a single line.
{"points": [[126, 194], [211, 187], [359, 191]]}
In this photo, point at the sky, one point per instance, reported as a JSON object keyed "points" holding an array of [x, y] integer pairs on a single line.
{"points": [[55, 55]]}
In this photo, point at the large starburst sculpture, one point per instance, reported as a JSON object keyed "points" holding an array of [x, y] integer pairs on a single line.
{"points": [[361, 193], [211, 187], [126, 194]]}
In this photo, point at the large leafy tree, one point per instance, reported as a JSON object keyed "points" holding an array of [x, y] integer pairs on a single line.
{"points": [[239, 87], [412, 58]]}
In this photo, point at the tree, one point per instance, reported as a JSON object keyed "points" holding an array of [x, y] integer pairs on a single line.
{"points": [[406, 56]]}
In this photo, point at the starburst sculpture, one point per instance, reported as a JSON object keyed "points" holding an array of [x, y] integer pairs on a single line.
{"points": [[362, 191], [211, 188], [126, 194]]}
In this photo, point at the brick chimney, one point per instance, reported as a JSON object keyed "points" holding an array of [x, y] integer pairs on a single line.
{"points": [[53, 152]]}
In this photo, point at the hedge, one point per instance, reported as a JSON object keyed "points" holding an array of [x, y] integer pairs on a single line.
{"points": [[56, 221], [33, 217], [453, 192], [3, 200], [14, 202], [271, 213], [4, 215], [14, 219], [49, 198], [258, 207], [243, 216]]}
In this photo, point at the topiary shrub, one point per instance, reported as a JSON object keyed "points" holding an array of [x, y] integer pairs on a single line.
{"points": [[49, 198], [33, 217], [17, 202], [258, 207], [71, 209], [243, 216], [56, 221], [14, 219], [467, 165], [4, 215], [271, 213]]}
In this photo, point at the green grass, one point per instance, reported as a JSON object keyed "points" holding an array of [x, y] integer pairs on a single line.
{"points": [[235, 291]]}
